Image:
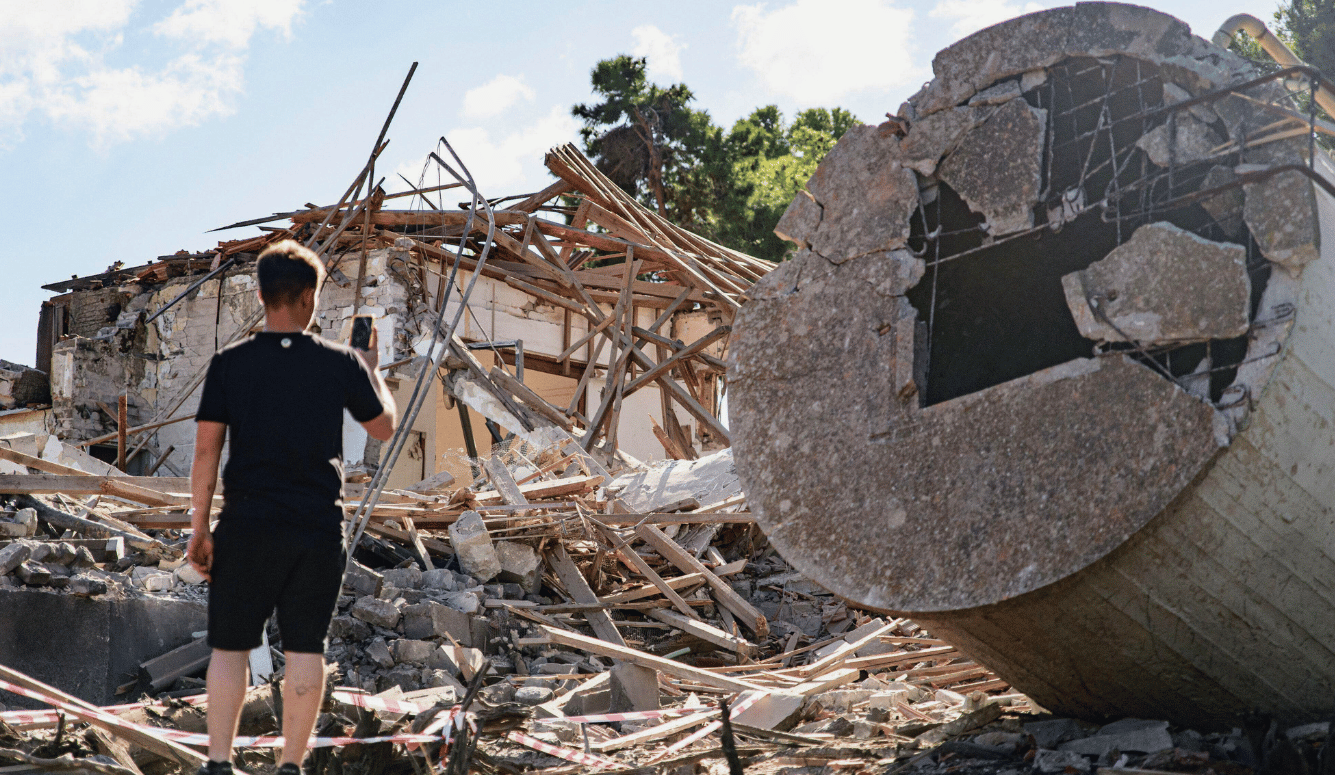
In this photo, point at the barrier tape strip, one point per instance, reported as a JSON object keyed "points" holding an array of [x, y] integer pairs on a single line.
{"points": [[200, 739], [345, 696], [709, 728], [197, 739], [569, 754]]}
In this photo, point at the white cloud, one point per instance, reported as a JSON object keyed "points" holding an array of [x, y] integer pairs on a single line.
{"points": [[495, 97], [54, 65], [818, 52], [973, 15], [229, 21], [501, 163], [662, 51]]}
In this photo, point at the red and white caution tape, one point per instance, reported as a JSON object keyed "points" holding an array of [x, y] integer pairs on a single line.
{"points": [[197, 739], [709, 728], [569, 754]]}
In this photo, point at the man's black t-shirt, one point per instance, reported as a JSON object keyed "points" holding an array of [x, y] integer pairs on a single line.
{"points": [[282, 397]]}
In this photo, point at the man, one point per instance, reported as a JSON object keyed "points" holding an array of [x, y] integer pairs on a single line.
{"points": [[280, 394]]}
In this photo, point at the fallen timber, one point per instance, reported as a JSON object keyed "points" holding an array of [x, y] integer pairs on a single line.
{"points": [[1089, 444]]}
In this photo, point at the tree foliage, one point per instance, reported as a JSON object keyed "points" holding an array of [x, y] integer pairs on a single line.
{"points": [[732, 186], [1308, 26]]}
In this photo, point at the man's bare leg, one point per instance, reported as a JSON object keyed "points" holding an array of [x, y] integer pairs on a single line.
{"points": [[226, 684], [303, 691]]}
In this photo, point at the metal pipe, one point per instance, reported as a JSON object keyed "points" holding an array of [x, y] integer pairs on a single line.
{"points": [[1276, 48]]}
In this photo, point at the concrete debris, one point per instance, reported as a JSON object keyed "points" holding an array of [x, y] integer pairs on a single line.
{"points": [[997, 167], [1192, 141], [472, 545], [1162, 286]]}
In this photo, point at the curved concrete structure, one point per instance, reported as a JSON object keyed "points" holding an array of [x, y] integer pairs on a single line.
{"points": [[1021, 385]]}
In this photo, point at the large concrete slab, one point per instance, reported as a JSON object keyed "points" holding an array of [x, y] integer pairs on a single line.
{"points": [[89, 646]]}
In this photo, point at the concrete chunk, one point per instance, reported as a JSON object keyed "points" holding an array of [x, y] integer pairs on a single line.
{"points": [[33, 574], [472, 544], [430, 619], [997, 168], [12, 556], [1127, 735], [866, 196], [1163, 285], [381, 613], [1281, 212], [378, 652], [800, 221], [634, 688], [363, 580], [1193, 141], [519, 564], [416, 652], [404, 578]]}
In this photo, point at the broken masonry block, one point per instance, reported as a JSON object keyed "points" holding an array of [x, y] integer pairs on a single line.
{"points": [[33, 574], [519, 564], [363, 580], [381, 613], [430, 619], [439, 578], [416, 652], [634, 688], [87, 586], [472, 545], [13, 555], [378, 652], [404, 578]]}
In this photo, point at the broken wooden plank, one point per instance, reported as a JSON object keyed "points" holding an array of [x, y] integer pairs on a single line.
{"points": [[162, 671], [105, 721], [578, 587], [505, 485], [668, 666], [89, 528], [636, 561], [88, 484], [38, 464], [534, 401], [750, 618], [533, 491], [704, 631]]}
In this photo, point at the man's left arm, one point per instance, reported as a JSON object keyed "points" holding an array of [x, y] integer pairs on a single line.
{"points": [[209, 438]]}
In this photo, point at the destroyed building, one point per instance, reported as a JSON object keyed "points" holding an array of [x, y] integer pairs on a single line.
{"points": [[147, 332], [1078, 294]]}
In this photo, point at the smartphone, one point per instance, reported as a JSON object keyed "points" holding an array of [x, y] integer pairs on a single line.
{"points": [[361, 332]]}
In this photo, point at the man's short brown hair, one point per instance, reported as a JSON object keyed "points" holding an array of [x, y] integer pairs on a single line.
{"points": [[285, 270]]}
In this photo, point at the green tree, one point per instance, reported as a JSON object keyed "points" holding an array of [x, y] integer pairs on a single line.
{"points": [[1308, 26], [771, 163], [729, 187], [643, 136]]}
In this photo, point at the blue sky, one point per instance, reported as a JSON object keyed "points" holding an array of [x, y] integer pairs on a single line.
{"points": [[128, 128]]}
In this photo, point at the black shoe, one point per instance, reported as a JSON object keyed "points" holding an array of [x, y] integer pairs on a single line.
{"points": [[215, 768], [287, 769]]}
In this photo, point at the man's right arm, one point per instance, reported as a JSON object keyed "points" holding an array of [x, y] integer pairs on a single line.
{"points": [[380, 427]]}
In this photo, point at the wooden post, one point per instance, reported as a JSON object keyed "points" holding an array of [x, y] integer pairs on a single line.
{"points": [[121, 427]]}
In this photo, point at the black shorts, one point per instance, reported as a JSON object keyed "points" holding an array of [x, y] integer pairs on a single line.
{"points": [[260, 566]]}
